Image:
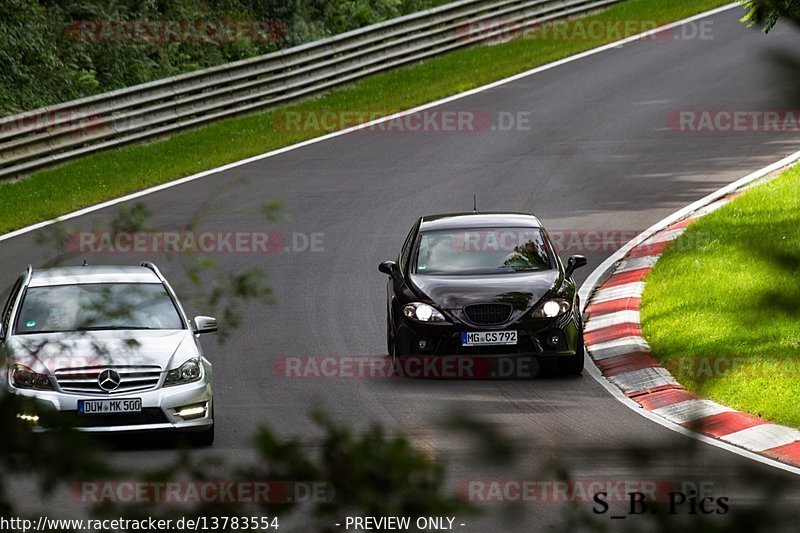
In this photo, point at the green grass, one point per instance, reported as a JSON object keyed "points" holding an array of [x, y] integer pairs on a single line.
{"points": [[111, 174], [721, 309]]}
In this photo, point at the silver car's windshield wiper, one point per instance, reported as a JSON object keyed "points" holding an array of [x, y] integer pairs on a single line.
{"points": [[111, 328]]}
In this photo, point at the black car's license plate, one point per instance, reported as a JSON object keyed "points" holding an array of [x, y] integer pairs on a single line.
{"points": [[488, 338]]}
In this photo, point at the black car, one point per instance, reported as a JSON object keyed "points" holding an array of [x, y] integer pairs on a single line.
{"points": [[483, 286]]}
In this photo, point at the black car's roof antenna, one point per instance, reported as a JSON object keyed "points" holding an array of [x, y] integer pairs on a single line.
{"points": [[474, 203]]}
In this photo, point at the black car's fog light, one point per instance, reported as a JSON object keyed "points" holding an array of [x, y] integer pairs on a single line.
{"points": [[423, 344], [553, 339], [29, 418]]}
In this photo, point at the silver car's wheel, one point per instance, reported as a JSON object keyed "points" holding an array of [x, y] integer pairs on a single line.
{"points": [[206, 437]]}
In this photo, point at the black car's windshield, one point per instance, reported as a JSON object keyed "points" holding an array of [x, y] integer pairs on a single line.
{"points": [[482, 251], [103, 306]]}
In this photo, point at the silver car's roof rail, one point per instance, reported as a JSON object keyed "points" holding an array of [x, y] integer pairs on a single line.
{"points": [[154, 268]]}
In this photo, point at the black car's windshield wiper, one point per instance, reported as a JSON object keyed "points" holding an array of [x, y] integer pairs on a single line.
{"points": [[508, 268]]}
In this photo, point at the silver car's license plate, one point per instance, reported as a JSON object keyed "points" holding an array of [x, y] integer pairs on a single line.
{"points": [[103, 407], [488, 338]]}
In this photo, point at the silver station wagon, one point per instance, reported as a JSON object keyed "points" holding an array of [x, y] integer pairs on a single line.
{"points": [[108, 347]]}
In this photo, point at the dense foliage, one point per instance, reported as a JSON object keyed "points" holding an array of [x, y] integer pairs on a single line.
{"points": [[58, 50], [767, 13]]}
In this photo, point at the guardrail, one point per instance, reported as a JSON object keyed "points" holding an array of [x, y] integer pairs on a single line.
{"points": [[55, 134]]}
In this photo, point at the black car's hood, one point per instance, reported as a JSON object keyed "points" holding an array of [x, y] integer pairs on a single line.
{"points": [[521, 290]]}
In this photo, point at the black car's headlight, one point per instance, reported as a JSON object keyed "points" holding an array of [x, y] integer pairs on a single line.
{"points": [[23, 377], [187, 373], [422, 312], [552, 308]]}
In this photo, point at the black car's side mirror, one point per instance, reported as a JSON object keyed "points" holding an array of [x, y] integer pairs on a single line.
{"points": [[575, 262], [390, 269]]}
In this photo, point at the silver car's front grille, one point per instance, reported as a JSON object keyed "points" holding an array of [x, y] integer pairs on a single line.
{"points": [[108, 379]]}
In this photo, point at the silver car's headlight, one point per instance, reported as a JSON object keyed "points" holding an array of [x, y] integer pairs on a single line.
{"points": [[422, 312], [23, 377], [552, 308], [187, 373]]}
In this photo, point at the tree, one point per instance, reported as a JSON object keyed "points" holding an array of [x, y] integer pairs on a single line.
{"points": [[767, 13]]}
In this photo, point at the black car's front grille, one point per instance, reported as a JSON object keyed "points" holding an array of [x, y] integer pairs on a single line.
{"points": [[148, 415], [488, 314]]}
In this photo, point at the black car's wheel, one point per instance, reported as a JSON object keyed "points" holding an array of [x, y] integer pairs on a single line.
{"points": [[574, 363], [391, 346]]}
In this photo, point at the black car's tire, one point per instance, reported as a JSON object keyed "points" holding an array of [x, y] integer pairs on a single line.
{"points": [[390, 345], [574, 364]]}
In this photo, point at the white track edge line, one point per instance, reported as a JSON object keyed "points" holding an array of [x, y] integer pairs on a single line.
{"points": [[351, 129], [614, 391]]}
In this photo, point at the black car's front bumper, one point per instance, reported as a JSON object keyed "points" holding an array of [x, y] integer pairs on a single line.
{"points": [[439, 345]]}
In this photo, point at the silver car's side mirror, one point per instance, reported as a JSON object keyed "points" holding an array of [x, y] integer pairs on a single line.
{"points": [[205, 324]]}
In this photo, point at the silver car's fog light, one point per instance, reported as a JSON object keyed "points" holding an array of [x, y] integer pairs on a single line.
{"points": [[23, 377], [187, 373], [33, 419], [194, 410]]}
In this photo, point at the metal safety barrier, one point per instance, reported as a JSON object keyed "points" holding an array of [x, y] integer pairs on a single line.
{"points": [[51, 135]]}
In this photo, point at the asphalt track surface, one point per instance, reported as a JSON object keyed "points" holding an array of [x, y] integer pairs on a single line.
{"points": [[598, 155]]}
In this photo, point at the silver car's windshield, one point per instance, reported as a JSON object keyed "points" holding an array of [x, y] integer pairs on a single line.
{"points": [[482, 251], [102, 306]]}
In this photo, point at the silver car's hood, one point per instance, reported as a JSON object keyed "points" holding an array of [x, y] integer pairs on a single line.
{"points": [[46, 353]]}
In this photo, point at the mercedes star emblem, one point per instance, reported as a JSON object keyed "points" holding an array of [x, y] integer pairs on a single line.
{"points": [[109, 380]]}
